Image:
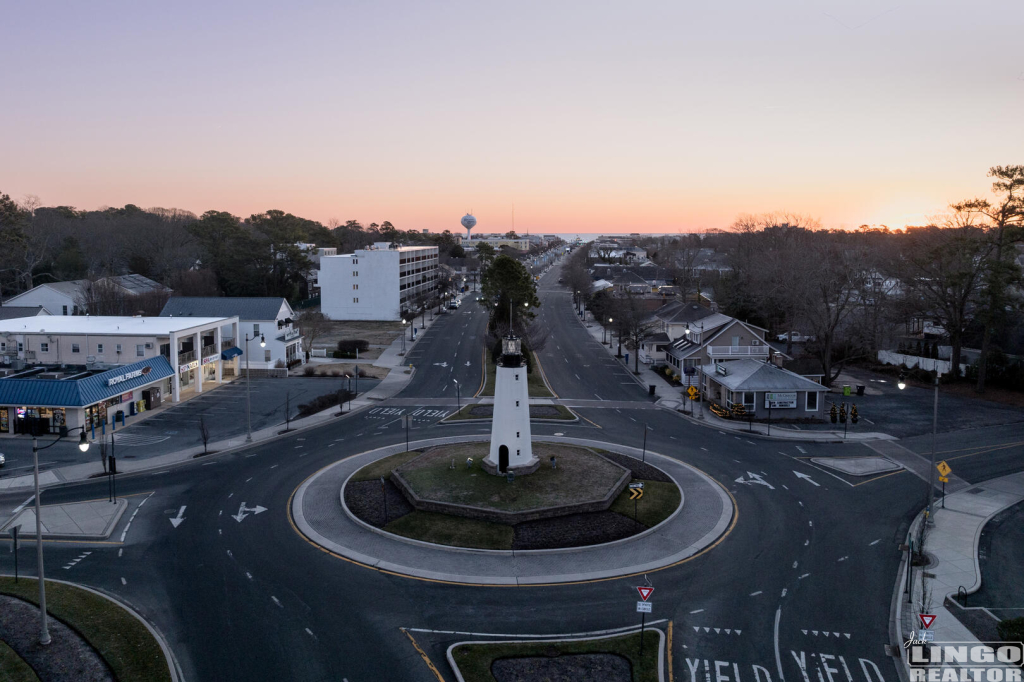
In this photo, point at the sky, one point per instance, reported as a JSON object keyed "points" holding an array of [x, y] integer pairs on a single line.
{"points": [[592, 116]]}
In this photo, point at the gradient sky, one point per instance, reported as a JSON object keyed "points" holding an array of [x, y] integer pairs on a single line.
{"points": [[590, 116]]}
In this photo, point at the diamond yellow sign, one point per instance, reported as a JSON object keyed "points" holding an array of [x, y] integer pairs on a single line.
{"points": [[943, 468], [692, 391]]}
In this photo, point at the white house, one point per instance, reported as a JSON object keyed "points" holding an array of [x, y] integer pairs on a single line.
{"points": [[57, 298], [377, 283], [267, 318]]}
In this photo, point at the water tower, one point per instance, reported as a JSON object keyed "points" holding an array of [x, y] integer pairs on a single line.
{"points": [[468, 222]]}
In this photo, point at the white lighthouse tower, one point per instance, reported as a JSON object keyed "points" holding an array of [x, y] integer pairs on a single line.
{"points": [[511, 446], [468, 222]]}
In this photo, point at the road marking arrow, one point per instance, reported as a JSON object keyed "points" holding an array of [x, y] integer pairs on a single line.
{"points": [[755, 478], [807, 478], [242, 509], [176, 521]]}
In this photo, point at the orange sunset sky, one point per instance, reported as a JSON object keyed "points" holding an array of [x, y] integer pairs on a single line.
{"points": [[588, 116]]}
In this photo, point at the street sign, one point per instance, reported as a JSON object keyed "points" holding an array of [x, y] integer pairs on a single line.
{"points": [[943, 468], [944, 479], [927, 636], [692, 391], [14, 530], [927, 620], [695, 396], [643, 607], [645, 592], [689, 371], [636, 490]]}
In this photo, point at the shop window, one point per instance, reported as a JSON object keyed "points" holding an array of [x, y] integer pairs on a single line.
{"points": [[99, 348], [266, 356], [44, 347], [75, 348], [255, 330], [812, 401], [140, 350]]}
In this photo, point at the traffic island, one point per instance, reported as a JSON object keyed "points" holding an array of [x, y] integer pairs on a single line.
{"points": [[443, 496], [614, 658], [537, 413], [93, 636]]}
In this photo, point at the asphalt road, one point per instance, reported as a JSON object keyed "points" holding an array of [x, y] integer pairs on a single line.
{"points": [[241, 595]]}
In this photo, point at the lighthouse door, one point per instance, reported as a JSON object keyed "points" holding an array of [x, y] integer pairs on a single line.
{"points": [[503, 458]]}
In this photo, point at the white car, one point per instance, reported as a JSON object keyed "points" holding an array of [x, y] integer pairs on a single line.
{"points": [[2, 459], [796, 337]]}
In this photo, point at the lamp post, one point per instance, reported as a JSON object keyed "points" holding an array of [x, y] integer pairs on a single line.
{"points": [[902, 384], [701, 386], [605, 333], [458, 394], [403, 336], [83, 445], [248, 384]]}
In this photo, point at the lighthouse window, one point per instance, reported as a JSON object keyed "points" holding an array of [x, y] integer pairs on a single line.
{"points": [[517, 403], [517, 434], [517, 453], [517, 377]]}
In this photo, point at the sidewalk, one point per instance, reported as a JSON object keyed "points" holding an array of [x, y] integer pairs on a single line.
{"points": [[781, 432], [395, 381], [952, 546], [93, 520]]}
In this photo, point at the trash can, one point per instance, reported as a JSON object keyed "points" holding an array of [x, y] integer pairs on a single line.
{"points": [[650, 389], [860, 389], [846, 390]]}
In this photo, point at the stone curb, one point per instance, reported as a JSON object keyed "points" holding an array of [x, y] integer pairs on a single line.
{"points": [[661, 647]]}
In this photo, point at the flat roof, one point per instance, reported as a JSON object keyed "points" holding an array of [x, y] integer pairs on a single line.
{"points": [[109, 325]]}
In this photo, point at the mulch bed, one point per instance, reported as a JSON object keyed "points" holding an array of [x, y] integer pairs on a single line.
{"points": [[68, 657], [568, 668], [536, 411], [575, 530], [364, 499], [640, 469]]}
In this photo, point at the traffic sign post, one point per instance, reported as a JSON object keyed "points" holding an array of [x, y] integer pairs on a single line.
{"points": [[15, 542], [636, 491], [643, 608], [384, 494], [944, 472]]}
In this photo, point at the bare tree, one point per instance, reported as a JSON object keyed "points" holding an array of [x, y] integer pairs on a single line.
{"points": [[637, 325], [313, 325], [204, 434]]}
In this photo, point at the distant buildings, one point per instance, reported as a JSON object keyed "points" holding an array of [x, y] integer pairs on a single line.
{"points": [[377, 283], [120, 294]]}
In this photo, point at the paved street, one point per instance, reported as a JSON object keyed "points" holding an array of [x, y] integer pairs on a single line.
{"points": [[798, 589]]}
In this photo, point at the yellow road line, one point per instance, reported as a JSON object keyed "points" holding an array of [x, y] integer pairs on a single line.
{"points": [[891, 473], [483, 372], [984, 451], [587, 420], [543, 376], [982, 447], [423, 654], [670, 676]]}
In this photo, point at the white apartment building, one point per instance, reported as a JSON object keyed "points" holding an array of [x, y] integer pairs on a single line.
{"points": [[376, 283]]}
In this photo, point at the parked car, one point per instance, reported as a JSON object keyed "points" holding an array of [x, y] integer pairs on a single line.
{"points": [[796, 336], [2, 459]]}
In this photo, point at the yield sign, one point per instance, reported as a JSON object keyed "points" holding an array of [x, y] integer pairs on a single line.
{"points": [[645, 592], [927, 620]]}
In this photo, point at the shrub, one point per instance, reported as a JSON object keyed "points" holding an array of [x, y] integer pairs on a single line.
{"points": [[335, 372], [322, 402], [352, 345], [279, 364], [308, 370]]}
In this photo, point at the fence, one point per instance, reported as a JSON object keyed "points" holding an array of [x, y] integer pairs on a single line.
{"points": [[319, 353], [888, 357]]}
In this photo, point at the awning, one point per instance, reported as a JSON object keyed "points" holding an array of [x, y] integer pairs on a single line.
{"points": [[232, 352]]}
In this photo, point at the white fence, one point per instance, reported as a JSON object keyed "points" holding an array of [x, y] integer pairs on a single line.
{"points": [[888, 357], [319, 353]]}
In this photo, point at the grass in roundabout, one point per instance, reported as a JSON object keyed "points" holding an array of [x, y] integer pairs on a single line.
{"points": [[13, 667], [659, 501], [580, 475], [121, 640], [475, 661], [454, 531]]}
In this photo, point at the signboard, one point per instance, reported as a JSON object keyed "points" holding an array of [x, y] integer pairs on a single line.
{"points": [[643, 607], [128, 375], [779, 400], [211, 358], [645, 592], [636, 490], [720, 369], [927, 620], [290, 334], [944, 479], [692, 391], [943, 468], [689, 371], [186, 367]]}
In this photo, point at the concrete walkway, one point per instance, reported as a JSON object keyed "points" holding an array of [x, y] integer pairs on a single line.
{"points": [[93, 520], [705, 515], [952, 544]]}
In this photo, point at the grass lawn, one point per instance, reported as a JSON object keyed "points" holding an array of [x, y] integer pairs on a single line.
{"points": [[13, 667], [122, 641], [383, 467], [580, 476], [474, 660], [452, 530], [659, 501], [534, 381], [563, 413]]}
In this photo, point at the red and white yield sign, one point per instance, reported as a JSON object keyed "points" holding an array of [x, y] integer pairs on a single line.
{"points": [[645, 592], [927, 620]]}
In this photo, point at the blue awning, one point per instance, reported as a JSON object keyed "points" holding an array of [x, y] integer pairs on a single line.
{"points": [[232, 352], [89, 390]]}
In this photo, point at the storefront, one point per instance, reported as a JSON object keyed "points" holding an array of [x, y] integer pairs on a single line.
{"points": [[33, 405]]}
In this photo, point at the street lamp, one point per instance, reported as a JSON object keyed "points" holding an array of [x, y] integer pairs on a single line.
{"points": [[902, 383], [458, 394], [248, 390], [83, 445], [403, 335], [605, 339]]}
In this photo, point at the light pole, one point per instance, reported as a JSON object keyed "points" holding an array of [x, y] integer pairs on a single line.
{"points": [[902, 384], [83, 445], [248, 391], [458, 394], [403, 336], [605, 339]]}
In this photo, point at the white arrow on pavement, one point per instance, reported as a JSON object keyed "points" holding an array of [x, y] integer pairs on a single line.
{"points": [[467, 363], [242, 509], [176, 521], [755, 478], [806, 478]]}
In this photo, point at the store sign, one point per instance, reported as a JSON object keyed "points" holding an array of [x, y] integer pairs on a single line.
{"points": [[290, 334], [186, 367], [212, 358], [128, 375], [776, 400]]}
